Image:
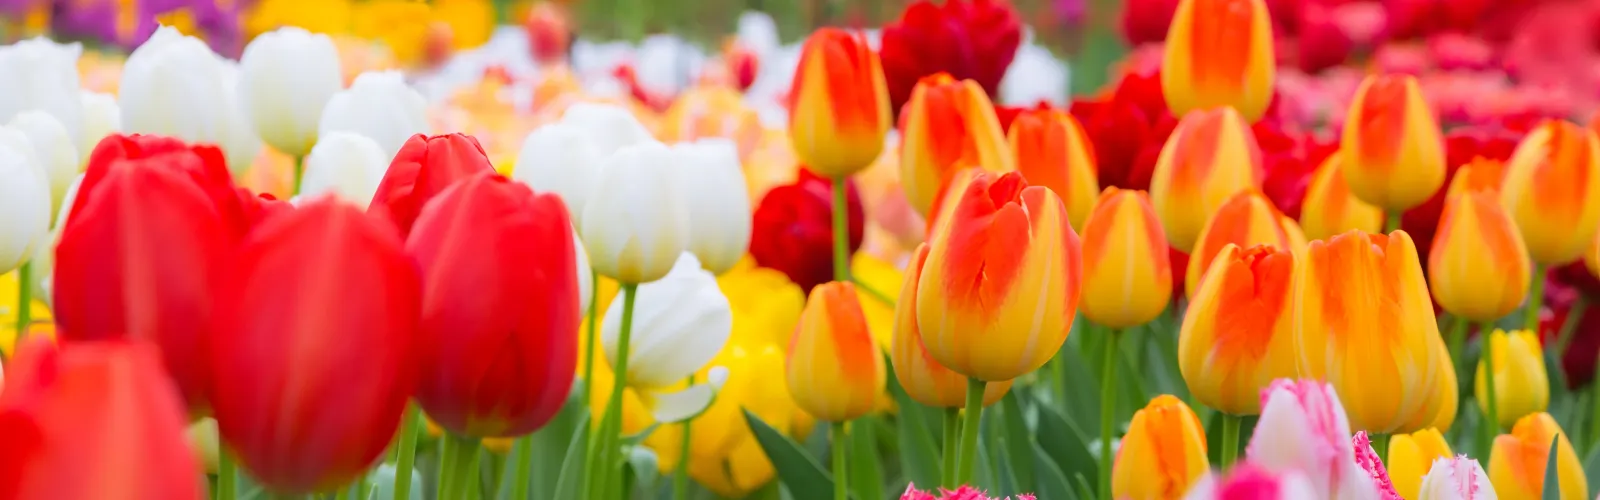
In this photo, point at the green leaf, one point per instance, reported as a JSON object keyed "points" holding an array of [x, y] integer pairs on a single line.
{"points": [[1051, 482], [1018, 445], [550, 443], [1082, 483], [1065, 444], [645, 468], [918, 453], [866, 473], [572, 469], [800, 474], [1552, 480], [984, 475], [1081, 403], [1591, 466]]}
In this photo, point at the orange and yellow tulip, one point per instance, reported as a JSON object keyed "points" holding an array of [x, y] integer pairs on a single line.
{"points": [[1411, 456], [1478, 266], [1393, 150], [835, 370], [1480, 174], [1163, 453], [1238, 335], [1211, 156], [998, 292], [1447, 392], [1552, 191], [1247, 219], [947, 126], [1521, 385], [1517, 461], [839, 104], [1052, 151], [924, 379], [1127, 271], [1219, 53], [1330, 208], [1365, 324]]}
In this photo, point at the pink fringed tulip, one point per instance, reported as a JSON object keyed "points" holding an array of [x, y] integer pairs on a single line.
{"points": [[1252, 481], [1303, 427]]}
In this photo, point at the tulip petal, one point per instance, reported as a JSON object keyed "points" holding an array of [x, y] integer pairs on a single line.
{"points": [[689, 403]]}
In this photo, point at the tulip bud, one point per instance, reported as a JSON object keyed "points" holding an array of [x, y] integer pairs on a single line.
{"points": [[792, 228], [611, 127], [1248, 480], [101, 117], [562, 159], [378, 105], [1455, 478], [344, 163], [1247, 219], [626, 242], [287, 77], [239, 140], [1127, 277], [1000, 288], [839, 104], [834, 369], [1393, 153], [1479, 175], [1219, 53], [43, 75], [1552, 191], [203, 164], [924, 379], [53, 149], [1163, 453], [421, 170], [1303, 427], [1520, 382], [1411, 456], [1052, 151], [1518, 460], [1211, 156], [1331, 209], [947, 126], [717, 200], [680, 323], [1478, 268], [25, 199], [1238, 334], [174, 85]]}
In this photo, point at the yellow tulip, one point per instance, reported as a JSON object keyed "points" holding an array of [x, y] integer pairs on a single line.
{"points": [[1238, 334], [1211, 156], [835, 370], [1127, 275], [39, 316], [1411, 456], [1521, 386], [1393, 150], [1552, 191], [947, 126], [1330, 209], [1517, 461], [1219, 53], [766, 305], [840, 109], [1247, 219], [1053, 151], [1478, 268], [1163, 453]]}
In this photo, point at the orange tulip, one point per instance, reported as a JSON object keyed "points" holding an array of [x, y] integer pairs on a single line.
{"points": [[1219, 53], [948, 125], [1480, 174], [1247, 219], [835, 370], [1518, 460], [1238, 335], [1163, 453], [1330, 208], [1364, 323], [998, 292], [924, 379], [839, 107], [1211, 156], [1127, 274], [1478, 267], [1052, 151], [1552, 191], [1394, 153]]}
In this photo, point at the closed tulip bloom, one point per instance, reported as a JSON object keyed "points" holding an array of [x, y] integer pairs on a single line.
{"points": [[1247, 219], [1517, 461], [101, 117], [25, 199], [378, 105], [1480, 174], [321, 308], [924, 379], [1053, 151], [1363, 314], [680, 323], [203, 164], [1127, 277], [947, 126], [717, 200], [287, 77], [1393, 153], [1250, 481], [1552, 191], [174, 85], [636, 221], [1163, 453], [612, 127], [1238, 335], [838, 104], [42, 75], [1219, 53], [792, 228], [835, 371], [423, 168], [1000, 288], [1448, 392], [53, 149], [1520, 382], [1478, 267], [1456, 478], [93, 421], [563, 159], [1330, 208], [346, 164], [1211, 156], [1411, 456], [1303, 427]]}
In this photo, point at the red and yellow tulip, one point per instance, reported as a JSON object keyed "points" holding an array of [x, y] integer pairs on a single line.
{"points": [[1052, 151], [947, 126], [835, 370], [1238, 334], [1211, 156], [1517, 461], [1127, 271], [1219, 53], [839, 104], [1393, 151], [1552, 191], [1330, 208], [1478, 267], [924, 379], [1246, 220], [1163, 453]]}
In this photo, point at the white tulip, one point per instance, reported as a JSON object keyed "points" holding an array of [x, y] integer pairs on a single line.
{"points": [[39, 74], [101, 117], [346, 163], [288, 77], [718, 201], [239, 141], [585, 274], [561, 159], [1303, 427], [26, 204], [380, 106], [635, 222], [611, 127], [174, 85], [1458, 478], [680, 323], [53, 149]]}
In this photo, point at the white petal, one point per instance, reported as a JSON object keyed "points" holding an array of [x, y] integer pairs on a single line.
{"points": [[688, 403], [379, 105], [717, 201], [635, 223], [680, 323], [562, 159]]}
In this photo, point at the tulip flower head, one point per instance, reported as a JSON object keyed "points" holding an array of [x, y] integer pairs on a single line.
{"points": [[1219, 53], [1247, 219], [792, 230], [1372, 464], [561, 158], [378, 105], [1455, 478], [1211, 156], [1518, 460], [1479, 175], [54, 151], [1253, 481], [1392, 150], [25, 199], [1331, 209], [1238, 334], [1521, 385], [1412, 456], [962, 493], [1303, 427], [174, 85], [839, 104], [43, 75], [766, 305], [1552, 191], [1127, 275], [947, 126], [969, 39], [287, 77], [636, 221], [101, 117], [716, 198], [680, 323], [923, 378], [347, 164], [834, 369], [1052, 151], [1163, 453], [1478, 267]]}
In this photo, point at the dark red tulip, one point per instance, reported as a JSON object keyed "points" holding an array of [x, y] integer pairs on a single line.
{"points": [[1289, 159], [202, 163], [793, 229], [1128, 128], [1566, 284], [425, 166], [140, 259], [93, 421], [318, 360], [499, 331], [1146, 21], [969, 39]]}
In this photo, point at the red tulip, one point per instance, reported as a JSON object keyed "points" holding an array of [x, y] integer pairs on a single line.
{"points": [[1146, 21], [1128, 129], [203, 163], [320, 311], [425, 166], [1289, 159], [499, 331], [793, 229], [93, 421], [969, 39]]}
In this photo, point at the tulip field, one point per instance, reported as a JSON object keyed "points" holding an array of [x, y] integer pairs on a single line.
{"points": [[800, 250]]}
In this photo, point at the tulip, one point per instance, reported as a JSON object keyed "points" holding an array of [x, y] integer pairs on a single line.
{"points": [[680, 322], [42, 75], [1163, 453], [1393, 153], [1481, 174], [1520, 383], [346, 164], [1331, 209], [53, 149], [101, 117], [1367, 458], [25, 199], [792, 228], [1052, 151], [974, 40], [174, 85], [611, 127], [97, 421], [1247, 219], [309, 389], [1219, 53], [1210, 157], [625, 242], [1127, 274], [964, 492], [421, 170], [1411, 456], [1447, 391], [1238, 335], [717, 200], [948, 125], [1359, 294], [835, 371], [1478, 266], [1000, 287], [378, 105], [239, 140], [288, 76], [1253, 481], [203, 164], [838, 104], [1552, 191], [1518, 460], [1303, 427], [924, 379], [1455, 478], [561, 159]]}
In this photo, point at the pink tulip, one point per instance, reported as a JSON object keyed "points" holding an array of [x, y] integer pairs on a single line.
{"points": [[1368, 459], [1248, 481], [1303, 427], [962, 493]]}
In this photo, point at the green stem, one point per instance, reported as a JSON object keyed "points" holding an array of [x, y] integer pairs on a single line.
{"points": [[1530, 321], [519, 488], [680, 478], [588, 350], [408, 454], [1392, 224], [24, 301], [969, 431], [841, 231], [952, 447], [841, 484], [602, 450], [363, 487], [1570, 326], [1230, 438], [1458, 341], [458, 478], [1380, 444], [1108, 401], [342, 494], [299, 174], [226, 476], [1594, 414], [1489, 381]]}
